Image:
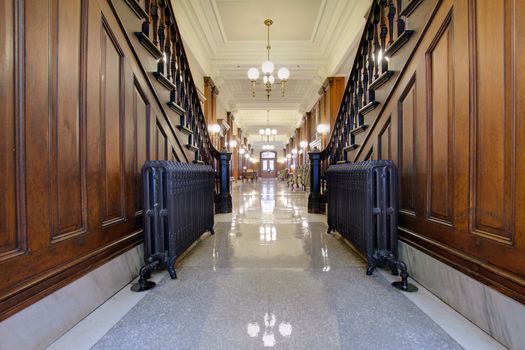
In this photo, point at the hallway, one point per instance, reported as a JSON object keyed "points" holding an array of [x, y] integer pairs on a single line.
{"points": [[259, 281]]}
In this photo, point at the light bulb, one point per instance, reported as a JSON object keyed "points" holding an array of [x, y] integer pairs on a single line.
{"points": [[274, 131], [247, 156], [215, 128], [233, 143], [261, 132], [303, 144], [253, 74], [294, 151], [288, 156], [267, 67], [283, 73], [271, 79], [322, 128], [241, 151], [267, 131]]}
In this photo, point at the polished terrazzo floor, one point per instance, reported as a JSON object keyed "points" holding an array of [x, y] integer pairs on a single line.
{"points": [[272, 277]]}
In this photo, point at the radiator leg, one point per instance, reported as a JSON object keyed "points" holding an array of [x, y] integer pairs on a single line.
{"points": [[170, 266], [370, 269], [212, 231], [145, 273], [394, 270], [403, 284], [329, 229]]}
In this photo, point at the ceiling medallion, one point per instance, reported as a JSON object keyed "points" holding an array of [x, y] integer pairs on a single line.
{"points": [[267, 68]]}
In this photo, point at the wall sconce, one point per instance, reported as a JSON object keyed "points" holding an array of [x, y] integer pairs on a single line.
{"points": [[323, 129], [303, 144], [233, 143], [215, 128]]}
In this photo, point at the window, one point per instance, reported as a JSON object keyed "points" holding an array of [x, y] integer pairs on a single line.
{"points": [[267, 155]]}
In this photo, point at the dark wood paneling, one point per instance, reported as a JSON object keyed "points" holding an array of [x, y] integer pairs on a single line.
{"points": [[459, 133], [162, 144], [141, 112], [406, 113], [12, 232], [67, 148], [384, 141], [75, 122], [493, 125], [440, 138], [112, 126]]}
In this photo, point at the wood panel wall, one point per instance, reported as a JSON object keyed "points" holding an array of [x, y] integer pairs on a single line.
{"points": [[78, 120], [454, 124]]}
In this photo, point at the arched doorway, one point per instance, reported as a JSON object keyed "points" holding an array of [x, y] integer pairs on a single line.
{"points": [[268, 163]]}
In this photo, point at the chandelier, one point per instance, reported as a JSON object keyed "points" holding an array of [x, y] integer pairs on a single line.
{"points": [[268, 132], [267, 68]]}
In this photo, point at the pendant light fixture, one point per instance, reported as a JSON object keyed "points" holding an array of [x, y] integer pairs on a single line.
{"points": [[268, 132], [267, 68]]}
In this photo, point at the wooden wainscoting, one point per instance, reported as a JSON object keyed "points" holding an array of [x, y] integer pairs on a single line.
{"points": [[454, 125], [79, 118]]}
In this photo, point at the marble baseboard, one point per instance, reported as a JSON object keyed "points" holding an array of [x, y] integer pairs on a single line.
{"points": [[40, 324], [498, 315]]}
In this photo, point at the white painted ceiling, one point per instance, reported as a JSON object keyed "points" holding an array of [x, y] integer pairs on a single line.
{"points": [[314, 39]]}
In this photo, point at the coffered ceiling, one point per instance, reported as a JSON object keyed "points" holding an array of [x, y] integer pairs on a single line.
{"points": [[312, 38]]}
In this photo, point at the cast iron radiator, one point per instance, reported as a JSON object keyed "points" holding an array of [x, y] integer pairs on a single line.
{"points": [[362, 206], [178, 209]]}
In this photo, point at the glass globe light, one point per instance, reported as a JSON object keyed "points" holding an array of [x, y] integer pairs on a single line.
{"points": [[283, 73], [247, 156], [303, 144], [271, 79], [261, 132], [274, 131], [215, 128], [322, 129], [267, 67], [253, 74], [233, 143], [288, 156], [241, 151], [294, 151], [267, 131]]}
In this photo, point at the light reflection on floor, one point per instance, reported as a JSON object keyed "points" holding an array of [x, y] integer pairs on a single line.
{"points": [[272, 277]]}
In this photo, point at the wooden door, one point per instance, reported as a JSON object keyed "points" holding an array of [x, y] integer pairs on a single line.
{"points": [[268, 164]]}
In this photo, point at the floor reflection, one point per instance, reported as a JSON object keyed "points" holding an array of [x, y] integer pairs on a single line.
{"points": [[268, 335], [272, 277], [271, 228]]}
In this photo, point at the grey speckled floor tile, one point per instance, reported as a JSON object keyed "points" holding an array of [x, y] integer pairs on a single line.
{"points": [[272, 277]]}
